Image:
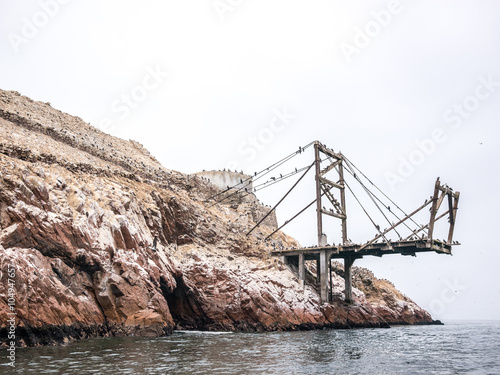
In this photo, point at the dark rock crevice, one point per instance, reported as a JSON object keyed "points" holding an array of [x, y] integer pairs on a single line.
{"points": [[184, 305]]}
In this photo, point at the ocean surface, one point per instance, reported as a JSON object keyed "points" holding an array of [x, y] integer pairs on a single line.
{"points": [[455, 348]]}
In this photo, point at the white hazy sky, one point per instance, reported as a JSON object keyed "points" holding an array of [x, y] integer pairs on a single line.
{"points": [[199, 83]]}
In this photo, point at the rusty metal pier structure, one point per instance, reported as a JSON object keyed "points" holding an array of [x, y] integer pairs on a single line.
{"points": [[331, 189], [421, 238]]}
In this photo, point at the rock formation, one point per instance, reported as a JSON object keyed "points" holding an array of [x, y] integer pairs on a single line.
{"points": [[106, 241]]}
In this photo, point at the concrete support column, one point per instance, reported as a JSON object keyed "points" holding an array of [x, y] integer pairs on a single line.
{"points": [[302, 269], [348, 262], [323, 265]]}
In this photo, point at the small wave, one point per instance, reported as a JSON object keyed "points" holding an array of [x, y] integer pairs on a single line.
{"points": [[203, 332]]}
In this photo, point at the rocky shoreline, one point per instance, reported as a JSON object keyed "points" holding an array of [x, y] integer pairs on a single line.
{"points": [[105, 241], [61, 334]]}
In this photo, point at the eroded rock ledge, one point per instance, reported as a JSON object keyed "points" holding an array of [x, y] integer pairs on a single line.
{"points": [[79, 212]]}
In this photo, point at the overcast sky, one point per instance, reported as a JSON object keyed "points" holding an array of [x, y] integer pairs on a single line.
{"points": [[408, 91]]}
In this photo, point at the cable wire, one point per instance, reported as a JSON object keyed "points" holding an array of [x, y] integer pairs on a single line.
{"points": [[282, 199], [260, 174], [367, 214], [376, 187], [371, 195]]}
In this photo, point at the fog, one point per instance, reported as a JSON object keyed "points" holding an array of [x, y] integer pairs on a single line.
{"points": [[408, 91]]}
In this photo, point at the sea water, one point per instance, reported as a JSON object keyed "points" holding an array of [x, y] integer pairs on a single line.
{"points": [[454, 348]]}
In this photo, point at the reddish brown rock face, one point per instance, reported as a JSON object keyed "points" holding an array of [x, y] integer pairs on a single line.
{"points": [[79, 212]]}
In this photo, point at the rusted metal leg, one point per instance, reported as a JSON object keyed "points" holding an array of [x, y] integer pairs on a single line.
{"points": [[323, 264], [330, 297], [348, 262], [302, 269], [453, 216], [434, 209], [319, 218]]}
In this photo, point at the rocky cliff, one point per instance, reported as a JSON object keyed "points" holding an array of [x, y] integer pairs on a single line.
{"points": [[79, 214]]}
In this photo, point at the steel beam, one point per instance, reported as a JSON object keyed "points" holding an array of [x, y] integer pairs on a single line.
{"points": [[302, 269], [323, 264], [317, 162], [348, 262], [434, 209], [453, 217]]}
